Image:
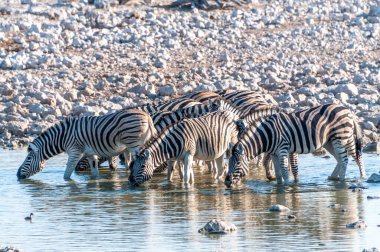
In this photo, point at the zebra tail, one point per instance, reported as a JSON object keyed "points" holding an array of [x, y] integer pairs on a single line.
{"points": [[152, 129], [358, 139]]}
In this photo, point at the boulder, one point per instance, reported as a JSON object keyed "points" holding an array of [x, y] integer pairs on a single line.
{"points": [[374, 178], [217, 227]]}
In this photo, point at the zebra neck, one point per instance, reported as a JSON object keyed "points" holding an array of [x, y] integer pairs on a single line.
{"points": [[164, 151], [55, 140]]}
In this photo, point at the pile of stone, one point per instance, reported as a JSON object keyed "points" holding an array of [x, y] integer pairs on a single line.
{"points": [[91, 57]]}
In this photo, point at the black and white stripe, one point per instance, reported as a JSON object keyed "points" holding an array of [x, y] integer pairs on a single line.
{"points": [[203, 138], [103, 136], [330, 126]]}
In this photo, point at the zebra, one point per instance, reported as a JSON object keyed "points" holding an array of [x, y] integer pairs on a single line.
{"points": [[163, 119], [331, 126], [104, 136], [205, 138], [149, 108]]}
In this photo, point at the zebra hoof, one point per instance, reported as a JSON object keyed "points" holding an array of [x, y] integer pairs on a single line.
{"points": [[333, 178]]}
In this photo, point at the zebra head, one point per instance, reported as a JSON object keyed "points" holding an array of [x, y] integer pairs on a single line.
{"points": [[237, 166], [216, 105], [141, 168], [32, 164]]}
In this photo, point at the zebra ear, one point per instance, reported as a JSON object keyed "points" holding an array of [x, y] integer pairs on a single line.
{"points": [[146, 153], [239, 149]]}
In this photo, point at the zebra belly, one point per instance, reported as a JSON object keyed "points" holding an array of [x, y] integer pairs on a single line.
{"points": [[88, 151]]}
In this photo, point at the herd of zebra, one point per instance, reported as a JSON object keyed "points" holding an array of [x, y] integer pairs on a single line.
{"points": [[240, 126]]}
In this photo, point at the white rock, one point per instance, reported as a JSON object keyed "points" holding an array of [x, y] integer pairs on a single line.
{"points": [[349, 89], [357, 225], [167, 90], [217, 227], [143, 89], [160, 63], [17, 128], [374, 178], [278, 208]]}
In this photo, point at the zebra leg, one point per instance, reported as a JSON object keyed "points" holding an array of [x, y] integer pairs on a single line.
{"points": [[269, 167], [188, 161], [219, 163], [127, 158], [283, 157], [74, 157], [342, 155], [210, 166], [180, 170], [171, 165], [335, 174], [112, 163], [293, 158], [277, 169], [94, 162]]}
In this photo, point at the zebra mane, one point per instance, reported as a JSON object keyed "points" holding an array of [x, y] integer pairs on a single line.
{"points": [[157, 136], [153, 103], [244, 125], [67, 121]]}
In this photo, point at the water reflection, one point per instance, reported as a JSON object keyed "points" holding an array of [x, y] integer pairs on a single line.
{"points": [[85, 214]]}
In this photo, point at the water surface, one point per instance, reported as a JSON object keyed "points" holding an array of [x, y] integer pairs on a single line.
{"points": [[107, 215]]}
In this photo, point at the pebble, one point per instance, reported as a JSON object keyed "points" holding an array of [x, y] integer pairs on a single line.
{"points": [[216, 226], [357, 225], [291, 216]]}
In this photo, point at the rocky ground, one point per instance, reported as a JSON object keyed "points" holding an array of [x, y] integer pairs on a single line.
{"points": [[68, 57]]}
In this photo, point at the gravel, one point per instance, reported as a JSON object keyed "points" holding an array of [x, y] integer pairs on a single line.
{"points": [[69, 57]]}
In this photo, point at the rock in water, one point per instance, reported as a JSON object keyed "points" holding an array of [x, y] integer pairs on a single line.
{"points": [[373, 197], [371, 250], [375, 178], [278, 208], [372, 147], [357, 225], [217, 227]]}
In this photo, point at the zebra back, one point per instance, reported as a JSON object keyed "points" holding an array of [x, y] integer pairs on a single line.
{"points": [[164, 119], [172, 105], [203, 96]]}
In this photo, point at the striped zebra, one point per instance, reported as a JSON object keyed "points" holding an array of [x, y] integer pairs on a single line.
{"points": [[204, 138], [173, 105], [330, 126], [202, 96], [150, 108], [104, 136], [164, 119]]}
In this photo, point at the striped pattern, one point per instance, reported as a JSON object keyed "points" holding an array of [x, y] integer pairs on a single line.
{"points": [[103, 136], [330, 126], [173, 105], [203, 96], [203, 138]]}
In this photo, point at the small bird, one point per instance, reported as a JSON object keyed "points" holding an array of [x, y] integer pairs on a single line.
{"points": [[29, 218]]}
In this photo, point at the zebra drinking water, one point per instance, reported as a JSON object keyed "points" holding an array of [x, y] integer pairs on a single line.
{"points": [[330, 126], [104, 136], [204, 138]]}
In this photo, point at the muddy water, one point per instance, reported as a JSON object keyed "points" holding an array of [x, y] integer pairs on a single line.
{"points": [[107, 215]]}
